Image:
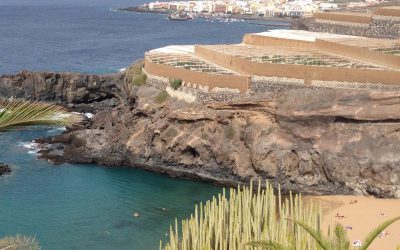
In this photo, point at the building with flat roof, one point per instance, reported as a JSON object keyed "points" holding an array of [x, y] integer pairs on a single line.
{"points": [[283, 57]]}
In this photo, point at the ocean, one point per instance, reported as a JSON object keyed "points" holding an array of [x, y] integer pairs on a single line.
{"points": [[75, 206], [90, 38]]}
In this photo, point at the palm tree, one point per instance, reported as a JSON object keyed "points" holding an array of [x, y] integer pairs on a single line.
{"points": [[338, 241], [17, 112]]}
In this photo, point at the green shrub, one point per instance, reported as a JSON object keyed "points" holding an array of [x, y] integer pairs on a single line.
{"points": [[139, 80], [136, 69], [161, 97], [175, 83]]}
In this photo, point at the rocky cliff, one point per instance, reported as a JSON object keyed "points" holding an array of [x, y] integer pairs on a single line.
{"points": [[80, 91], [309, 141]]}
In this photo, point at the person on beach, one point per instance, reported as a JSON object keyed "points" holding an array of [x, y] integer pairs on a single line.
{"points": [[339, 216]]}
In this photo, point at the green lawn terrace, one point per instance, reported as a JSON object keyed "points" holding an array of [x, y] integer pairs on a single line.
{"points": [[287, 54]]}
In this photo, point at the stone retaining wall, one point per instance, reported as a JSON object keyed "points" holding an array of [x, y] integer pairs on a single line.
{"points": [[384, 27], [264, 85], [200, 92], [277, 85], [379, 27]]}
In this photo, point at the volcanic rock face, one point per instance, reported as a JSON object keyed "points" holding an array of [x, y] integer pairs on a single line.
{"points": [[86, 92], [309, 141], [320, 142]]}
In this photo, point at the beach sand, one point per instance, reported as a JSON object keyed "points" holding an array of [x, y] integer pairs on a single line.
{"points": [[363, 216]]}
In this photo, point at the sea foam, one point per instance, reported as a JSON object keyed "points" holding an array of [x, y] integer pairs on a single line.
{"points": [[31, 146]]}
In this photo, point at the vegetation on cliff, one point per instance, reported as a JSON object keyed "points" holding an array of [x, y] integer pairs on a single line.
{"points": [[161, 97], [135, 74], [175, 83]]}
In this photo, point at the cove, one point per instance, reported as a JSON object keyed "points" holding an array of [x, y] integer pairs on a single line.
{"points": [[76, 206]]}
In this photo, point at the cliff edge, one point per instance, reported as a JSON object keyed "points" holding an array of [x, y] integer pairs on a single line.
{"points": [[316, 141]]}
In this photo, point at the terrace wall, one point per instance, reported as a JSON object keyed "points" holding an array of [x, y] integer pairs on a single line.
{"points": [[201, 78], [362, 54], [388, 11], [344, 17], [338, 28], [384, 23], [384, 27], [306, 72], [260, 40]]}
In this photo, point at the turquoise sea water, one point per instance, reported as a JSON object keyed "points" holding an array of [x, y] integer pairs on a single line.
{"points": [[88, 206], [75, 206]]}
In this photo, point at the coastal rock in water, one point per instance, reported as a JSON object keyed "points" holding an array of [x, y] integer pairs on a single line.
{"points": [[4, 169]]}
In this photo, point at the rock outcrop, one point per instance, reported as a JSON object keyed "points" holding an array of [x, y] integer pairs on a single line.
{"points": [[81, 91], [4, 169], [310, 141]]}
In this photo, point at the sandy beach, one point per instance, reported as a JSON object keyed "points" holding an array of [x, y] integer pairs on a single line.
{"points": [[361, 217]]}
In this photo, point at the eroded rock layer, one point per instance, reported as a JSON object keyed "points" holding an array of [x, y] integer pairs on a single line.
{"points": [[310, 141]]}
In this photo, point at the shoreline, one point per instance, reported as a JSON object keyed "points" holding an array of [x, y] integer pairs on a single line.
{"points": [[285, 20]]}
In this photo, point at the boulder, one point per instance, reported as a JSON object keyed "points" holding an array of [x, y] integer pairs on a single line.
{"points": [[4, 169]]}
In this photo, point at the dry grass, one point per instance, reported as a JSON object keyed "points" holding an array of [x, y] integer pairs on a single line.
{"points": [[139, 80]]}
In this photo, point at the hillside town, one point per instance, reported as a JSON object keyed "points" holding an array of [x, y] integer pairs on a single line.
{"points": [[261, 8]]}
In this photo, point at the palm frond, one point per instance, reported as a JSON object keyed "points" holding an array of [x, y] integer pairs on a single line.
{"points": [[19, 242], [17, 112], [269, 245], [322, 242], [341, 242], [372, 235]]}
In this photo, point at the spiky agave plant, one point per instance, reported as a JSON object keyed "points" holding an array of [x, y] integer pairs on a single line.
{"points": [[337, 241], [19, 242], [18, 112]]}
